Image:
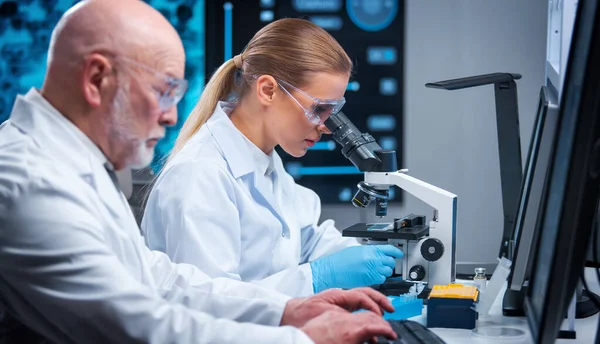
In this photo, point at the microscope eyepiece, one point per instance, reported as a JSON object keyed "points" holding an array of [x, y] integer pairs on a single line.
{"points": [[364, 152], [360, 148]]}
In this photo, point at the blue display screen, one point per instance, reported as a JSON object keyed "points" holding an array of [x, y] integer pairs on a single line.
{"points": [[25, 30], [371, 32]]}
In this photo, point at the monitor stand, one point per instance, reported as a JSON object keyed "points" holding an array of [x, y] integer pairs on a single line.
{"points": [[513, 302], [585, 304]]}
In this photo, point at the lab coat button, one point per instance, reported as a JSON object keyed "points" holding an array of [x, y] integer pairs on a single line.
{"points": [[283, 234]]}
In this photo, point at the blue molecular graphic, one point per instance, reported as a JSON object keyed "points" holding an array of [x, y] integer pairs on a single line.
{"points": [[25, 30]]}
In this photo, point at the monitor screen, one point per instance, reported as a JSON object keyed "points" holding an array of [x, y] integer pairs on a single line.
{"points": [[372, 33], [571, 196], [25, 30], [542, 140]]}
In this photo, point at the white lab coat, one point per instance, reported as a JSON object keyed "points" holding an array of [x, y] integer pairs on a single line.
{"points": [[212, 207], [74, 267]]}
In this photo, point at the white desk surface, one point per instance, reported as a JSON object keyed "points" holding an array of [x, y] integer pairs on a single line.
{"points": [[585, 328]]}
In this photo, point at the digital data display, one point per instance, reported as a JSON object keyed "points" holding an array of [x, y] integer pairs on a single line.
{"points": [[25, 30], [372, 33]]}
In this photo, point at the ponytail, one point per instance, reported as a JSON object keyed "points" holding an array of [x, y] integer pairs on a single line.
{"points": [[274, 50], [218, 88]]}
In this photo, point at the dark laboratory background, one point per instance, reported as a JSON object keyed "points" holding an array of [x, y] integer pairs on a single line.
{"points": [[371, 31]]}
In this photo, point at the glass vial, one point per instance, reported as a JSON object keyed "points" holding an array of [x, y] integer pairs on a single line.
{"points": [[480, 279]]}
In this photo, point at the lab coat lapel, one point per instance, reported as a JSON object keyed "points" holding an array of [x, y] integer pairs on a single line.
{"points": [[44, 128], [283, 185], [108, 192], [260, 184], [239, 158]]}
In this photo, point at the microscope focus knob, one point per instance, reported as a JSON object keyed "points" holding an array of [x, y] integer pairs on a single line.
{"points": [[416, 273], [432, 249]]}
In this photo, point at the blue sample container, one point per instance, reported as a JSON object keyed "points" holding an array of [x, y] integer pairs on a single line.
{"points": [[406, 306]]}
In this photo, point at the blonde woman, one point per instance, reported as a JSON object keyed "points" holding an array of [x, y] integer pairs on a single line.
{"points": [[224, 202]]}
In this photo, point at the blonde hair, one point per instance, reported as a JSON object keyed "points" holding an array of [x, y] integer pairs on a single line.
{"points": [[287, 49]]}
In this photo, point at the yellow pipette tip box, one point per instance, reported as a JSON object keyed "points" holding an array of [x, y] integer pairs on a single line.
{"points": [[454, 291], [452, 306]]}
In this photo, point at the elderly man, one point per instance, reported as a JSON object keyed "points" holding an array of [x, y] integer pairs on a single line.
{"points": [[73, 266]]}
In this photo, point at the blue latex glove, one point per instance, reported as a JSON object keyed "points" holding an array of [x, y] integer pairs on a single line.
{"points": [[356, 266]]}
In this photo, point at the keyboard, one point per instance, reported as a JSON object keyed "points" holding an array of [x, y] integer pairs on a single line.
{"points": [[410, 332]]}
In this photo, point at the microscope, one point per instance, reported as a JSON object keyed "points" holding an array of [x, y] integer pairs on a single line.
{"points": [[429, 248]]}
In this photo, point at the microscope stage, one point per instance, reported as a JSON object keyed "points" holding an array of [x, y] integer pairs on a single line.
{"points": [[385, 231]]}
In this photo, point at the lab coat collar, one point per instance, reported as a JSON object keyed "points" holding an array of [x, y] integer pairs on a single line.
{"points": [[230, 140], [263, 163], [62, 141], [239, 156]]}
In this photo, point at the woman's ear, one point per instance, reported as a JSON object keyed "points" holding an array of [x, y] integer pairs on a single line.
{"points": [[266, 87]]}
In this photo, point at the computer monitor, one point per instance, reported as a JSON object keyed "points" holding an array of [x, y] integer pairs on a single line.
{"points": [[571, 196], [526, 222]]}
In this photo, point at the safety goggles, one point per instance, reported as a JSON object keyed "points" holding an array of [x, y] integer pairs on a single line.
{"points": [[171, 90], [320, 110]]}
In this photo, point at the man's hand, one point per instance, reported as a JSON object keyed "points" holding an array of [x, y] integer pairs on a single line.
{"points": [[298, 311], [337, 327]]}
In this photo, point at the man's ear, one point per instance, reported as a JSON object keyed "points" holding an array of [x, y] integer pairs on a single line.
{"points": [[95, 78], [266, 87]]}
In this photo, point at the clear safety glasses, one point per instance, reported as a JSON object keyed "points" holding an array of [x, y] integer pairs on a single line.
{"points": [[171, 90], [320, 110]]}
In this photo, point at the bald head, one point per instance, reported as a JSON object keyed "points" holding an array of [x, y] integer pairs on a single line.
{"points": [[129, 27], [108, 62]]}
